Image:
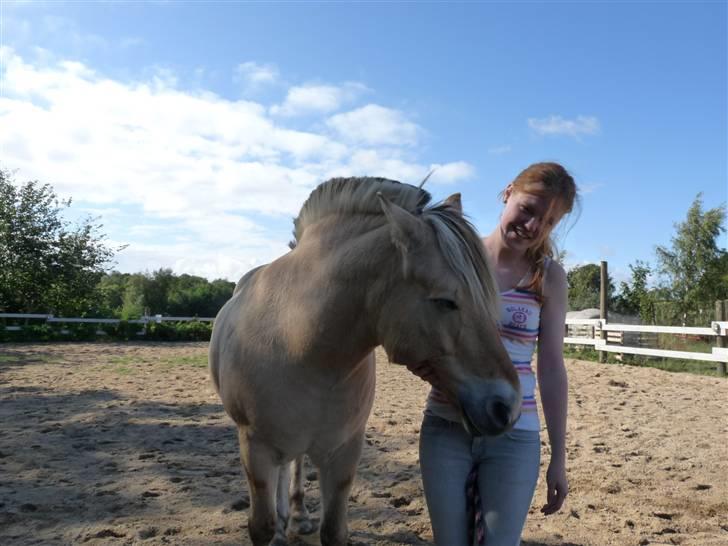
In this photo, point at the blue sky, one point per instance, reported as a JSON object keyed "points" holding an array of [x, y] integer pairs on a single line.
{"points": [[196, 130]]}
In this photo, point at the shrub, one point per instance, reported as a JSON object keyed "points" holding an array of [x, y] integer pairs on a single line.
{"points": [[122, 331]]}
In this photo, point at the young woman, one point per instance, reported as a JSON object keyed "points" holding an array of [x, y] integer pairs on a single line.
{"points": [[480, 488]]}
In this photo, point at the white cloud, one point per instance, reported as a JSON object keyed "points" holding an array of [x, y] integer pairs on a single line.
{"points": [[556, 125], [213, 262], [451, 173], [254, 75], [211, 174], [375, 125], [317, 99]]}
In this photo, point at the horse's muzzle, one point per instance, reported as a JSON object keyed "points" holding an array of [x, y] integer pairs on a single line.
{"points": [[490, 408]]}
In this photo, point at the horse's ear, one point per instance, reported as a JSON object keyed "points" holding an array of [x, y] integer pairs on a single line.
{"points": [[454, 202], [404, 227]]}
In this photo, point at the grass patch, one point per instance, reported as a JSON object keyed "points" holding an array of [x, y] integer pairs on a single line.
{"points": [[194, 361], [8, 358], [122, 360], [124, 365]]}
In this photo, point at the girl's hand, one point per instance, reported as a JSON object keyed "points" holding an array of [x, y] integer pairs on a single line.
{"points": [[557, 487]]}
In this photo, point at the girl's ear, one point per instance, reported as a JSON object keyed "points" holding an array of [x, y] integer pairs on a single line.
{"points": [[507, 192]]}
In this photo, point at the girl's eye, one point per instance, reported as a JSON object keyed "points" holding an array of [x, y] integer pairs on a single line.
{"points": [[445, 303]]}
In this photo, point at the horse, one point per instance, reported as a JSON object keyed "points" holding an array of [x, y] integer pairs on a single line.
{"points": [[292, 352]]}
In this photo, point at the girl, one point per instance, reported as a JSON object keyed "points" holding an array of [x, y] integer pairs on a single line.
{"points": [[499, 474]]}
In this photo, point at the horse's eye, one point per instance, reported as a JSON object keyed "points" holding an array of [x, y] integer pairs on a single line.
{"points": [[445, 303]]}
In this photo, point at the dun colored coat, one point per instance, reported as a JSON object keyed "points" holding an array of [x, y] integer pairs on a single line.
{"points": [[291, 354]]}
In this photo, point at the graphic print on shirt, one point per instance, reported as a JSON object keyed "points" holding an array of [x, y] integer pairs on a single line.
{"points": [[519, 315], [520, 321]]}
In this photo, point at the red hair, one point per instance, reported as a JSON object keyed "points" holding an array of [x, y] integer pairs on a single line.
{"points": [[552, 181]]}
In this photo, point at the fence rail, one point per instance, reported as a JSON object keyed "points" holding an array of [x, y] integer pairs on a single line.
{"points": [[142, 320], [593, 329], [49, 318]]}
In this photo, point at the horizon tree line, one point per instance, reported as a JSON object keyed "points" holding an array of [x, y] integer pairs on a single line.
{"points": [[48, 265]]}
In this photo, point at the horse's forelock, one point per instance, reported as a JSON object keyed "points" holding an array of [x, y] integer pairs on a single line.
{"points": [[464, 253]]}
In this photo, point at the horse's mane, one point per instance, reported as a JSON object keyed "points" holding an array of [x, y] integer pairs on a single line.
{"points": [[464, 253], [356, 196], [456, 236]]}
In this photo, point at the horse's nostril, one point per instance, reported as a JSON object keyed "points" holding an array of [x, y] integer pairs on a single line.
{"points": [[500, 413]]}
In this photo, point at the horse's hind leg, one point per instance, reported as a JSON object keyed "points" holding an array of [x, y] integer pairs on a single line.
{"points": [[263, 483], [300, 522], [336, 477]]}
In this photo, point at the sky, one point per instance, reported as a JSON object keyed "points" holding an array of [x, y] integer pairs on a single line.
{"points": [[194, 131]]}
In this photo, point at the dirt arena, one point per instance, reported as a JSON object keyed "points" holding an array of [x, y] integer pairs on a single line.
{"points": [[128, 444]]}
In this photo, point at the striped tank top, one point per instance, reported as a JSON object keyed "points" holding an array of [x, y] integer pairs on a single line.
{"points": [[520, 318]]}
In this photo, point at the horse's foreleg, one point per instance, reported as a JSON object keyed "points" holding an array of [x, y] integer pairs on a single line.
{"points": [[262, 475], [282, 506], [300, 521], [336, 478]]}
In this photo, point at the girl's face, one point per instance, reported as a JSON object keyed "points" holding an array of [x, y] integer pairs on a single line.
{"points": [[527, 219]]}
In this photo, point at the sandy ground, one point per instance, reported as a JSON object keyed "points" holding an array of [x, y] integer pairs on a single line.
{"points": [[128, 444]]}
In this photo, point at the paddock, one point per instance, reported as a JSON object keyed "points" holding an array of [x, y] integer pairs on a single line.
{"points": [[127, 443]]}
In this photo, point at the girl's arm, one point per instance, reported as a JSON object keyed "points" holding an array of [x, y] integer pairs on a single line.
{"points": [[553, 383]]}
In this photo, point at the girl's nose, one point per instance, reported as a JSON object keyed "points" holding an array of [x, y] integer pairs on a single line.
{"points": [[533, 224]]}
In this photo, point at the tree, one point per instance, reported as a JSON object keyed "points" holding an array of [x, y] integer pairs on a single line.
{"points": [[112, 287], [636, 298], [162, 292], [192, 295], [157, 289], [45, 263], [133, 298], [694, 266], [584, 282]]}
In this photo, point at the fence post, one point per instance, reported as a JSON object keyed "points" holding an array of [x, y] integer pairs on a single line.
{"points": [[720, 315], [603, 304]]}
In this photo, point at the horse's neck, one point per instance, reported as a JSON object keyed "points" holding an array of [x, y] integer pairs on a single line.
{"points": [[346, 271]]}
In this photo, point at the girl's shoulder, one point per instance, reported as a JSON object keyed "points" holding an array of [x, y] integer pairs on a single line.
{"points": [[554, 278]]}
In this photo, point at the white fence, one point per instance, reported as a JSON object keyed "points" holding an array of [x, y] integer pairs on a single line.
{"points": [[599, 334], [594, 332], [51, 319]]}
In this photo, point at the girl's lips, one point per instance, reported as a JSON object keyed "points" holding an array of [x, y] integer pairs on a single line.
{"points": [[522, 234]]}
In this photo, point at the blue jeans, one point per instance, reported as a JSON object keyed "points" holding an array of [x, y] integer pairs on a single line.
{"points": [[508, 467]]}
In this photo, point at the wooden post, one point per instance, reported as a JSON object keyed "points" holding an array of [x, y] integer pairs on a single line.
{"points": [[603, 304], [720, 315]]}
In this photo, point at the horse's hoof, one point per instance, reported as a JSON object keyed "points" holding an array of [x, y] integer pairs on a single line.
{"points": [[303, 525]]}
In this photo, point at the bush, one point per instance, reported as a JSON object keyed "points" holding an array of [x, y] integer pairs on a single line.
{"points": [[30, 332], [196, 331], [162, 331], [179, 331], [121, 331]]}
